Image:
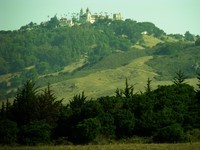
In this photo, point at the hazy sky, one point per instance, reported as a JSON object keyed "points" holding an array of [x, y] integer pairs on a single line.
{"points": [[173, 16]]}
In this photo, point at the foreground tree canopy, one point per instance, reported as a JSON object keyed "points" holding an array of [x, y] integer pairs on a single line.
{"points": [[169, 113]]}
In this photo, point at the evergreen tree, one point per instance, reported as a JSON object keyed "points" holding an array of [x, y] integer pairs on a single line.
{"points": [[77, 102], [197, 42], [3, 111], [189, 36], [8, 109], [198, 90], [127, 92], [74, 116], [48, 106], [148, 87], [198, 77], [24, 109], [180, 78]]}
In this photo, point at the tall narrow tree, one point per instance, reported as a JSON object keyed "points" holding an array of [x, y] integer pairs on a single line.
{"points": [[148, 87], [24, 109], [127, 92], [48, 106], [180, 78]]}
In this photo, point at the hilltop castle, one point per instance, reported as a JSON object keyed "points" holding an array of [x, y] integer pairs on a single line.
{"points": [[88, 17]]}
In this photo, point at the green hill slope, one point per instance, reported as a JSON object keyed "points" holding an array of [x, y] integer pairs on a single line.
{"points": [[105, 82], [92, 56]]}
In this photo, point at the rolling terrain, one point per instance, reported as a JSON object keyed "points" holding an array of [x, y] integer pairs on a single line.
{"points": [[94, 58], [105, 82], [115, 82]]}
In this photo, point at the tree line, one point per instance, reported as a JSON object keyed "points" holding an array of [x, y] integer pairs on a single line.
{"points": [[170, 113]]}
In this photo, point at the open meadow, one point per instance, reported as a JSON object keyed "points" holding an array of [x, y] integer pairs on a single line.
{"points": [[106, 81], [180, 146]]}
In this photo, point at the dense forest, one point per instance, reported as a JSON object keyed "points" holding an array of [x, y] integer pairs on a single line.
{"points": [[167, 114]]}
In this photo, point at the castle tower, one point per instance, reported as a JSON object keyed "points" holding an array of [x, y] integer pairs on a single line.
{"points": [[86, 17], [89, 15], [88, 11], [117, 16], [81, 12]]}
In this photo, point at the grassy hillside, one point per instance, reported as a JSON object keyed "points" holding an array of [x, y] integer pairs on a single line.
{"points": [[172, 58], [150, 41], [108, 74], [85, 57], [105, 82]]}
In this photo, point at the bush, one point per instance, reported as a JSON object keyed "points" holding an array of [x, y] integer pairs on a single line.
{"points": [[37, 132], [194, 135], [125, 123], [170, 134], [8, 132], [197, 42], [107, 125], [62, 141], [88, 130]]}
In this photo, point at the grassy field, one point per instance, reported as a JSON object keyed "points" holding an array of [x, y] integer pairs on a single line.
{"points": [[150, 41], [105, 82], [182, 146], [104, 77]]}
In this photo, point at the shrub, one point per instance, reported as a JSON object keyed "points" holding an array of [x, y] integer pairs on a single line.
{"points": [[88, 130], [125, 123], [170, 134], [194, 135], [8, 132], [197, 42], [37, 132]]}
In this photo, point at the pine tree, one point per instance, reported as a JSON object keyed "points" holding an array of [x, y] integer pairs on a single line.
{"points": [[198, 84], [2, 111], [180, 78], [77, 102], [127, 92], [24, 109], [148, 87], [198, 77], [48, 106]]}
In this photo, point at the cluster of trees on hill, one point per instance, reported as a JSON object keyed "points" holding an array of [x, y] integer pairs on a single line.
{"points": [[58, 47], [170, 113], [36, 50], [174, 56]]}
